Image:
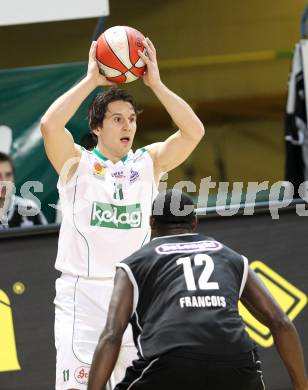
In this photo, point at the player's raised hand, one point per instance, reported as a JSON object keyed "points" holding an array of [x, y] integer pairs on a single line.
{"points": [[93, 70], [151, 76]]}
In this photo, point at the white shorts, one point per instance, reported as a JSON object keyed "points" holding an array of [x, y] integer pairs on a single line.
{"points": [[81, 307]]}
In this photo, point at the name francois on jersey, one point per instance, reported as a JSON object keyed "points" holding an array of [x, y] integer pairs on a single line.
{"points": [[202, 301]]}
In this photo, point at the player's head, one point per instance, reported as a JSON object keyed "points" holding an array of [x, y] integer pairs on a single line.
{"points": [[112, 118], [173, 213], [7, 171]]}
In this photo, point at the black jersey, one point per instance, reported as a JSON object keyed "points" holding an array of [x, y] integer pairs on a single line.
{"points": [[186, 292]]}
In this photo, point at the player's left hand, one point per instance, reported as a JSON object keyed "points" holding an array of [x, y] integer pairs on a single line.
{"points": [[93, 72], [151, 76]]}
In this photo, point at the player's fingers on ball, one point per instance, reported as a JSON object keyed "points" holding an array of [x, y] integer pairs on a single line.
{"points": [[148, 53], [145, 58], [151, 49], [92, 49], [146, 45], [150, 43]]}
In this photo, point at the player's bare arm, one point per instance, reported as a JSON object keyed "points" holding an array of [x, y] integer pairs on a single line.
{"points": [[58, 141], [175, 149], [262, 305], [108, 347]]}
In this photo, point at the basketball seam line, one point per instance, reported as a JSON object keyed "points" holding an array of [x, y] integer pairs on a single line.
{"points": [[123, 74], [129, 51]]}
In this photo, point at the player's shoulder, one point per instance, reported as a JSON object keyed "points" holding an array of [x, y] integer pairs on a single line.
{"points": [[138, 155], [232, 253], [83, 149], [85, 154], [93, 159], [231, 257], [136, 259]]}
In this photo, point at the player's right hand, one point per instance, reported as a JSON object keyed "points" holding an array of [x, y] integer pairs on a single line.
{"points": [[93, 72]]}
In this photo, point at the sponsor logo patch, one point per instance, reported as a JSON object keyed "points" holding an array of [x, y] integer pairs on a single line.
{"points": [[99, 169], [116, 217], [188, 247], [118, 174], [134, 175], [82, 375]]}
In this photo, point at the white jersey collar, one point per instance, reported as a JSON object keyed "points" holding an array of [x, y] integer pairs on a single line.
{"points": [[109, 162]]}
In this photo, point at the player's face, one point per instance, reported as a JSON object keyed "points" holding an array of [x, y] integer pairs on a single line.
{"points": [[118, 129], [6, 174]]}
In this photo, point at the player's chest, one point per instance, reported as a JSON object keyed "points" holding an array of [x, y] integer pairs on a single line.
{"points": [[117, 182]]}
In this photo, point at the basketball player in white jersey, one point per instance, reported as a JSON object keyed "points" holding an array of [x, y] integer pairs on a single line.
{"points": [[106, 197]]}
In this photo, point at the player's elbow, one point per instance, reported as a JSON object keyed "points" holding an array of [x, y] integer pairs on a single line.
{"points": [[199, 131], [111, 335], [46, 125], [280, 323]]}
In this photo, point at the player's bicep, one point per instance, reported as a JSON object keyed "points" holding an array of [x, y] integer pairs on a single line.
{"points": [[172, 152], [61, 150], [258, 300]]}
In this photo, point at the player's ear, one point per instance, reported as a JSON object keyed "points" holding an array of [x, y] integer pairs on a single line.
{"points": [[96, 131]]}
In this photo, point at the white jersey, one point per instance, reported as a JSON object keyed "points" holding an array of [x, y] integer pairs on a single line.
{"points": [[106, 209]]}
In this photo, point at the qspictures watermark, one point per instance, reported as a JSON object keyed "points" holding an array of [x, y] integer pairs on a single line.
{"points": [[229, 197]]}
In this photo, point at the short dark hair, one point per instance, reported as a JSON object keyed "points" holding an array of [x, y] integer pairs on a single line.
{"points": [[88, 141], [99, 105], [6, 158], [169, 208]]}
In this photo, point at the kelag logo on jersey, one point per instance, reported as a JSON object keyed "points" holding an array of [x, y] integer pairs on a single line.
{"points": [[116, 217], [188, 247]]}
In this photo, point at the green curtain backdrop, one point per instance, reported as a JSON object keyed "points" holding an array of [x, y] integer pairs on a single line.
{"points": [[25, 94]]}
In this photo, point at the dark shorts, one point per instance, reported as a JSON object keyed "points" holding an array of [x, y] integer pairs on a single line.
{"points": [[183, 370]]}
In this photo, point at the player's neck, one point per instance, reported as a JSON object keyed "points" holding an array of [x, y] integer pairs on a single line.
{"points": [[169, 232], [108, 154]]}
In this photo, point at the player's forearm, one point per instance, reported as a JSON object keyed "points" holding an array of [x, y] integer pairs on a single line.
{"points": [[104, 360], [289, 348], [63, 109], [180, 111]]}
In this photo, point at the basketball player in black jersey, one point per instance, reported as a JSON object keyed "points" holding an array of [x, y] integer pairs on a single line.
{"points": [[181, 292]]}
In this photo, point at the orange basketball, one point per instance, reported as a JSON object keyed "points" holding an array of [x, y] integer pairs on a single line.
{"points": [[117, 54]]}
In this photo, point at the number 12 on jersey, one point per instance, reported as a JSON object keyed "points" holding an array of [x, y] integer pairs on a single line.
{"points": [[203, 282]]}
